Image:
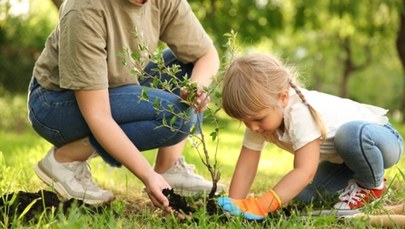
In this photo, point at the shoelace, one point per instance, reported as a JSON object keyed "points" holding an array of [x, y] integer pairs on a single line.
{"points": [[190, 168], [352, 194], [83, 175], [182, 163]]}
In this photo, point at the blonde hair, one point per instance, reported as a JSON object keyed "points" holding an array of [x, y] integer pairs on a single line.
{"points": [[254, 82]]}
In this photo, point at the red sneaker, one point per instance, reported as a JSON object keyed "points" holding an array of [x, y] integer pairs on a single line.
{"points": [[354, 196]]}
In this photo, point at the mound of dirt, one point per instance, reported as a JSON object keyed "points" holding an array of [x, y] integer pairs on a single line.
{"points": [[33, 204], [178, 202]]}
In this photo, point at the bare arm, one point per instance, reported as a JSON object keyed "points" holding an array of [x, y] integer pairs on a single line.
{"points": [[306, 161], [95, 108], [204, 70], [244, 174], [305, 166]]}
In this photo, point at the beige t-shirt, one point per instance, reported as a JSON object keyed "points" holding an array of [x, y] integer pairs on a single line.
{"points": [[82, 51]]}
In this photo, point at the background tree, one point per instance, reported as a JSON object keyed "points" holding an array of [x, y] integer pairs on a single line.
{"points": [[22, 37], [400, 42], [252, 20], [342, 47], [334, 40], [363, 31]]}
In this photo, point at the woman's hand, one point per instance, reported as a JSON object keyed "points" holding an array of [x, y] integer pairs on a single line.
{"points": [[196, 96], [154, 186]]}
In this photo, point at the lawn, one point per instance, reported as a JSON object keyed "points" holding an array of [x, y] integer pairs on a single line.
{"points": [[21, 149]]}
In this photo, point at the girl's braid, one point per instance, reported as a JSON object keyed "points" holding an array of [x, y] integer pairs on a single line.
{"points": [[313, 112], [298, 91]]}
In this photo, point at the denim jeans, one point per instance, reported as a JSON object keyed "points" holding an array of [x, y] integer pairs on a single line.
{"points": [[55, 115], [367, 149]]}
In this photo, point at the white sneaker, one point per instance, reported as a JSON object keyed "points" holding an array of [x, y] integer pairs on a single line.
{"points": [[184, 181], [71, 180]]}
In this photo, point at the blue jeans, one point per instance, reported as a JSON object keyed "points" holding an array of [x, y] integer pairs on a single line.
{"points": [[55, 115], [367, 149]]}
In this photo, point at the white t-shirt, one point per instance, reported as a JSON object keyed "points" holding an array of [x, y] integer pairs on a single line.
{"points": [[301, 128]]}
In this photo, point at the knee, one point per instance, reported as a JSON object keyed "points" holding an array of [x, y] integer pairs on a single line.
{"points": [[191, 121], [183, 121]]}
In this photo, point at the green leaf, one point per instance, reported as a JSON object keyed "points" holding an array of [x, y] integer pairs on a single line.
{"points": [[156, 103], [13, 198], [29, 206], [171, 107], [135, 56], [213, 136], [155, 81], [218, 94], [144, 95], [135, 71], [173, 120], [140, 47]]}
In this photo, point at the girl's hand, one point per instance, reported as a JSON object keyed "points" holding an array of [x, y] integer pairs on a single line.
{"points": [[251, 208], [198, 97]]}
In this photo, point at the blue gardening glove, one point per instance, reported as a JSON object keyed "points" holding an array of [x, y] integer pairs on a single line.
{"points": [[251, 208]]}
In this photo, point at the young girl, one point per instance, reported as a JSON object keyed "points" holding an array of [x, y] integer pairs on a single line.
{"points": [[338, 144]]}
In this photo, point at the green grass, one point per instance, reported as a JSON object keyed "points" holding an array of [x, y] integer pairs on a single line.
{"points": [[21, 148]]}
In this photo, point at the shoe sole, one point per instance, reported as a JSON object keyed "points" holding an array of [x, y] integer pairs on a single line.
{"points": [[58, 187]]}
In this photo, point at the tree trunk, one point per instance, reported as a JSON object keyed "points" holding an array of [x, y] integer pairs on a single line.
{"points": [[401, 53], [348, 68]]}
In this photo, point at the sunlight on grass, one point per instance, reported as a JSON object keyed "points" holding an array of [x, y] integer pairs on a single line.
{"points": [[17, 165], [20, 150]]}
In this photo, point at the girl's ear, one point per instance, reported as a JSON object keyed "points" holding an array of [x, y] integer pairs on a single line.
{"points": [[284, 98]]}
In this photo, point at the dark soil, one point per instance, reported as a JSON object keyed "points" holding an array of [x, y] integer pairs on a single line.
{"points": [[213, 208], [178, 202], [14, 204]]}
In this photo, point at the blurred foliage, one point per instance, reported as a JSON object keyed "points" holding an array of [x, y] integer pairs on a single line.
{"points": [[13, 116], [341, 47], [22, 38], [253, 20], [337, 45]]}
